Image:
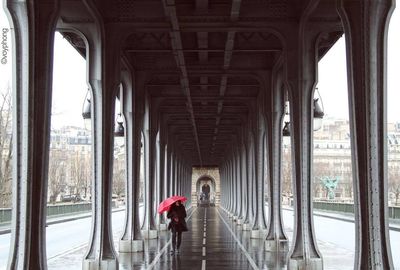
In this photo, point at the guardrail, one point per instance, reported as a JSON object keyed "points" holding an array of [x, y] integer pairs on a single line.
{"points": [[54, 210], [394, 211], [5, 215], [63, 209], [334, 206]]}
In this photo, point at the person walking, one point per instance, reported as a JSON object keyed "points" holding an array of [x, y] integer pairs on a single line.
{"points": [[177, 225]]}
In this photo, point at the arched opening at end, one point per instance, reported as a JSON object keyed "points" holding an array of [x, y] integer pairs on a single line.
{"points": [[205, 186]]}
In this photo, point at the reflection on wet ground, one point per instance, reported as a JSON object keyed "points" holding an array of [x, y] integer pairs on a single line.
{"points": [[214, 241]]}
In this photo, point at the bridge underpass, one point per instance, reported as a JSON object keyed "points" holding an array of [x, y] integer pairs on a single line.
{"points": [[66, 241], [202, 85]]}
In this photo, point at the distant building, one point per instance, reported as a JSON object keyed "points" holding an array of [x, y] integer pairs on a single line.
{"points": [[332, 158], [69, 138]]}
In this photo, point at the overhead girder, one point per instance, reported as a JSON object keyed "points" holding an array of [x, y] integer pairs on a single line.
{"points": [[204, 61]]}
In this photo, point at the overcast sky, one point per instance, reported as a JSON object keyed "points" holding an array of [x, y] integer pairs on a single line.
{"points": [[333, 77], [69, 81]]}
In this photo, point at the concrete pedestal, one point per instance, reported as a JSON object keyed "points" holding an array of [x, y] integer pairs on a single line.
{"points": [[100, 265], [127, 246], [150, 234], [276, 245], [246, 227], [275, 260], [127, 259], [300, 264], [256, 234]]}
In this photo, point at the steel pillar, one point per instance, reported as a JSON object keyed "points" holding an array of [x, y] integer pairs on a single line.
{"points": [[33, 41], [255, 229], [366, 26], [301, 76], [131, 239], [161, 180], [276, 239], [239, 185], [246, 188], [104, 80], [149, 229]]}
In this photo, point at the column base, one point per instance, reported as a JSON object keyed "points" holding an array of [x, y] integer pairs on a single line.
{"points": [[256, 234], [309, 264], [162, 227], [276, 245], [275, 260], [128, 246], [89, 264], [246, 227], [126, 260], [239, 221], [150, 234]]}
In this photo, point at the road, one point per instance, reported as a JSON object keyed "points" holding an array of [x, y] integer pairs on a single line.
{"points": [[63, 237], [340, 234]]}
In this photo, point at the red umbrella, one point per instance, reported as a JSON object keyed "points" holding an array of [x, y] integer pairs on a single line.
{"points": [[166, 204]]}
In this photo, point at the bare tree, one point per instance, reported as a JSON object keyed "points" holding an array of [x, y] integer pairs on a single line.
{"points": [[394, 182], [57, 174], [5, 149], [286, 173], [80, 172], [119, 176]]}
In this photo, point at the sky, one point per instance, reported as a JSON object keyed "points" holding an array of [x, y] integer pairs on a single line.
{"points": [[69, 78], [332, 75]]}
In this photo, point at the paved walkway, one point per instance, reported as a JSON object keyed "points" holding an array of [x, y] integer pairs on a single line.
{"points": [[213, 242], [210, 244]]}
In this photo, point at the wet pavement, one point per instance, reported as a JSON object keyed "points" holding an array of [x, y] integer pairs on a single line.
{"points": [[214, 241]]}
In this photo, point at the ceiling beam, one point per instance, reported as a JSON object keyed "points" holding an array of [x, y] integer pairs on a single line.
{"points": [[204, 51], [176, 43], [201, 6], [230, 41], [200, 85]]}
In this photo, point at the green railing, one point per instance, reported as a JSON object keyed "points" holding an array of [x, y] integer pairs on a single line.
{"points": [[394, 211], [337, 207], [5, 215], [53, 210], [64, 209]]}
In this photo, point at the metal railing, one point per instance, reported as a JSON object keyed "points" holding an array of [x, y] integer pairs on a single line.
{"points": [[53, 210], [394, 211]]}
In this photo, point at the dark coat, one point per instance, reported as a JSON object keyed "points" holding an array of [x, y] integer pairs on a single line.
{"points": [[205, 188], [177, 214]]}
